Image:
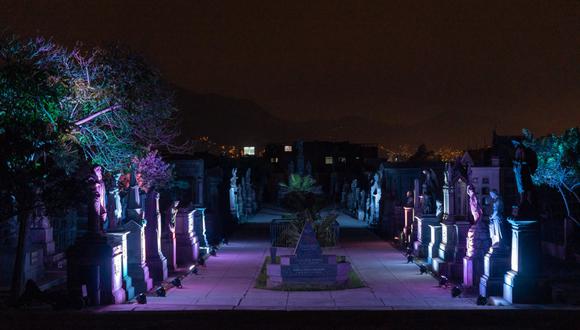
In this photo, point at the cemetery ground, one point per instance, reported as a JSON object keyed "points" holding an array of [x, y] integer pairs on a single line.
{"points": [[223, 294]]}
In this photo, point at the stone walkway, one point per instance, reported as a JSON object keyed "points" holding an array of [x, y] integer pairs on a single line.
{"points": [[227, 282]]}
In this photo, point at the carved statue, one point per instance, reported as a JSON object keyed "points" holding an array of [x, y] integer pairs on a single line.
{"points": [[497, 226], [96, 213], [474, 206], [439, 209], [172, 216], [98, 177], [524, 165], [430, 188], [410, 200], [234, 178]]}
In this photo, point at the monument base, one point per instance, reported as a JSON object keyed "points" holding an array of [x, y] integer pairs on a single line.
{"points": [[157, 268], [495, 264], [128, 288], [142, 282], [518, 289]]}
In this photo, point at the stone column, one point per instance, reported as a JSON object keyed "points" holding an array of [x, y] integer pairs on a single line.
{"points": [[134, 211], [136, 257], [478, 243], [521, 282], [120, 238], [187, 244], [168, 243], [433, 248], [408, 215], [115, 281], [155, 259], [200, 227]]}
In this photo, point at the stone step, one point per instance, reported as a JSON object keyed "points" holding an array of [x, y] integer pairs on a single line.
{"points": [[497, 301]]}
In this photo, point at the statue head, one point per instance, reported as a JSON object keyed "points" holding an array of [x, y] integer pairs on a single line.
{"points": [[470, 190], [494, 194], [98, 172]]}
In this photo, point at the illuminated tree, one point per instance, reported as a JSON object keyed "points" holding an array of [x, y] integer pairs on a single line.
{"points": [[558, 166], [61, 108]]}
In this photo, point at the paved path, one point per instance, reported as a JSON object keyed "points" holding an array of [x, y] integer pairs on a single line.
{"points": [[227, 282]]}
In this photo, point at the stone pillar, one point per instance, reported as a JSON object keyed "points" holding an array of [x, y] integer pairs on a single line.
{"points": [[118, 295], [200, 227], [42, 236], [521, 282], [136, 258], [168, 245], [433, 248], [408, 215], [187, 244], [424, 234], [155, 259], [120, 238], [134, 211], [478, 243]]}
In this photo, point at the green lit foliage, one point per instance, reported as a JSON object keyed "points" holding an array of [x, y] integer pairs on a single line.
{"points": [[558, 163]]}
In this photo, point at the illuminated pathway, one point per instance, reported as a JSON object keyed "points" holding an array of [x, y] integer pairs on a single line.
{"points": [[228, 280]]}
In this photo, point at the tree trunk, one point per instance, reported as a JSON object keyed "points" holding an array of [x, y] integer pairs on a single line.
{"points": [[18, 271]]}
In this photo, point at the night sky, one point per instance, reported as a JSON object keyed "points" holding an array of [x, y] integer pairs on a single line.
{"points": [[504, 64]]}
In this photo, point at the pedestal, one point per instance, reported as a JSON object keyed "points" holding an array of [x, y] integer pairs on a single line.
{"points": [[424, 234], [200, 227], [168, 247], [408, 218], [137, 266], [521, 282], [155, 259], [433, 248], [118, 295], [451, 250], [495, 264], [43, 237], [478, 243], [120, 238], [90, 265], [187, 245]]}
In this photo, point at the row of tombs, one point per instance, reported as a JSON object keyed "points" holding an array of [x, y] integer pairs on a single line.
{"points": [[128, 245], [494, 257]]}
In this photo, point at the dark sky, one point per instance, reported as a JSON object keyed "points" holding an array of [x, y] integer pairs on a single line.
{"points": [[516, 62]]}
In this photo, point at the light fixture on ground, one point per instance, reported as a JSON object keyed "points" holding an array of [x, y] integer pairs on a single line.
{"points": [[443, 281], [423, 269], [481, 301], [177, 283], [410, 258], [456, 291], [212, 252], [141, 299], [201, 261], [161, 292], [193, 270]]}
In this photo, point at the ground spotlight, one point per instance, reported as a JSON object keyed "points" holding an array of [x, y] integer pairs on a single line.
{"points": [[160, 292], [481, 301], [410, 258], [456, 291], [212, 252], [193, 270], [443, 281], [423, 269], [201, 261], [177, 283], [141, 299], [225, 241]]}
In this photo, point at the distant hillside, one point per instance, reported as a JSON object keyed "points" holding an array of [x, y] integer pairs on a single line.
{"points": [[236, 121]]}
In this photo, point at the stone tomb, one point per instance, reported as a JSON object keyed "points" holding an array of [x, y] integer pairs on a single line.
{"points": [[308, 267]]}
